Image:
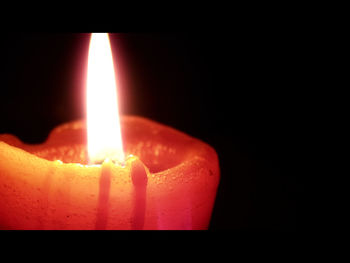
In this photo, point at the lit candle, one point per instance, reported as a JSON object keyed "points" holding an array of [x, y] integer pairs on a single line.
{"points": [[107, 172]]}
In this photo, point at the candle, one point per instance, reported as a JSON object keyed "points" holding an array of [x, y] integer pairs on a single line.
{"points": [[107, 172]]}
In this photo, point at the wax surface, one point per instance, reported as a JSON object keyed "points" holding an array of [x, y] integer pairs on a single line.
{"points": [[170, 182]]}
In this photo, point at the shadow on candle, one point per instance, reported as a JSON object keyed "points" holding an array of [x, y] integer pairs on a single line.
{"points": [[45, 203], [139, 179], [103, 198]]}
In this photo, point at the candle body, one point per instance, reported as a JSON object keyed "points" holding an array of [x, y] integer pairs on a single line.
{"points": [[169, 183]]}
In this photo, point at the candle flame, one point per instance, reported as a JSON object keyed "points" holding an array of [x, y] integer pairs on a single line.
{"points": [[103, 125]]}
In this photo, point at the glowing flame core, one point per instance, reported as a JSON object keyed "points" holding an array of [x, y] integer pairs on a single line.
{"points": [[103, 124]]}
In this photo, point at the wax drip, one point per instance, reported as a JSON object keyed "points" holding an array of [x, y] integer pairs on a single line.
{"points": [[103, 198], [139, 179]]}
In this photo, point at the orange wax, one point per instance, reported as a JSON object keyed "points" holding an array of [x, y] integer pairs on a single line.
{"points": [[169, 182]]}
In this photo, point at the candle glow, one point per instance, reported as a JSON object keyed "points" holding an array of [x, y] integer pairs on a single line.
{"points": [[168, 182], [103, 124]]}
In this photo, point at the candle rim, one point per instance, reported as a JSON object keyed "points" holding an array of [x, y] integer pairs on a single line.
{"points": [[202, 149]]}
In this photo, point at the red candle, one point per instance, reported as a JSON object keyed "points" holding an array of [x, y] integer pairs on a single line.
{"points": [[150, 177]]}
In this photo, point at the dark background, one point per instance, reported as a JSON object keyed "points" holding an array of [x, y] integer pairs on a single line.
{"points": [[235, 90]]}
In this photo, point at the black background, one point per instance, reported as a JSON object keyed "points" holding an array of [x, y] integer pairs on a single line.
{"points": [[235, 90]]}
